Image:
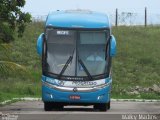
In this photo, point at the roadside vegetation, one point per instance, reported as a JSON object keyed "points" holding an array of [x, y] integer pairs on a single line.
{"points": [[19, 82], [136, 68]]}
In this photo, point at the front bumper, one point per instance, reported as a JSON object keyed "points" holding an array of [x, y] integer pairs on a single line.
{"points": [[52, 93]]}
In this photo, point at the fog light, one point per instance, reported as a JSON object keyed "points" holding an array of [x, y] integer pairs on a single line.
{"points": [[100, 97], [50, 95]]}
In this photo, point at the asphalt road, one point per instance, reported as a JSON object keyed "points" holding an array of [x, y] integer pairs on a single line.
{"points": [[33, 110]]}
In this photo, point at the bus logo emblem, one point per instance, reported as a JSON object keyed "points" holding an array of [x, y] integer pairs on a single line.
{"points": [[75, 89]]}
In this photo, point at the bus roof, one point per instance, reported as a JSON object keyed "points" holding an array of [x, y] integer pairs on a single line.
{"points": [[78, 19]]}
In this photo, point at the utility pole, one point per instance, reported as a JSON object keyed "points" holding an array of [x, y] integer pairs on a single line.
{"points": [[116, 21], [145, 21]]}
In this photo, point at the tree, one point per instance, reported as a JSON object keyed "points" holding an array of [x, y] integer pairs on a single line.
{"points": [[12, 19]]}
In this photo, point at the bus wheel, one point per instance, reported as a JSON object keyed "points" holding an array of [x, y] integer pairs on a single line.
{"points": [[47, 106], [57, 106], [108, 105], [102, 107]]}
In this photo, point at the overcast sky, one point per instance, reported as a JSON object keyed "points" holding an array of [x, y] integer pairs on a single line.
{"points": [[43, 7]]}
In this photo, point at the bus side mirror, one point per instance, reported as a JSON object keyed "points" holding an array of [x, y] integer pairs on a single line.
{"points": [[112, 46], [39, 44]]}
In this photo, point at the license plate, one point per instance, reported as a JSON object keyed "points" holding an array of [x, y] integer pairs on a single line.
{"points": [[75, 97]]}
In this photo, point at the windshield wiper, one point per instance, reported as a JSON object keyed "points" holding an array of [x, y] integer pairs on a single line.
{"points": [[66, 65], [85, 69]]}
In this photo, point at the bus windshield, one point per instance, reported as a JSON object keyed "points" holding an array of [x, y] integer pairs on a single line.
{"points": [[76, 53]]}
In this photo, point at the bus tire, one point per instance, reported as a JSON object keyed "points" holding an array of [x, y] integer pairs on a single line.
{"points": [[47, 106], [108, 105], [102, 106], [57, 106]]}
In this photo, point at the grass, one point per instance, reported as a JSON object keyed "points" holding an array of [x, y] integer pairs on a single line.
{"points": [[137, 61], [23, 52], [136, 64]]}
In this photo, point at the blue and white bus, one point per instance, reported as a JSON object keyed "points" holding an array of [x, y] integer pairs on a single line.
{"points": [[76, 49]]}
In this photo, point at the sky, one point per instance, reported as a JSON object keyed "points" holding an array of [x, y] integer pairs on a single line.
{"points": [[43, 7]]}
